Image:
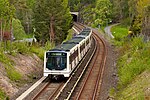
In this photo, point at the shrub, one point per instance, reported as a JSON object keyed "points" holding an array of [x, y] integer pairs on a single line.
{"points": [[49, 45], [18, 30], [134, 60], [39, 51]]}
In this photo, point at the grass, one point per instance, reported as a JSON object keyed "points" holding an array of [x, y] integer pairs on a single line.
{"points": [[120, 32], [10, 70], [134, 60], [2, 95], [137, 89], [12, 49], [12, 74]]}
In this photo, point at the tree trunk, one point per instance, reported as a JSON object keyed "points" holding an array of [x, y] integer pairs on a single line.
{"points": [[51, 33], [11, 31], [1, 30]]}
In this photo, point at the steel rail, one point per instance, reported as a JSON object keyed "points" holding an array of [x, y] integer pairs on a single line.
{"points": [[100, 76], [55, 92], [85, 82], [44, 90], [40, 92], [101, 71], [79, 78]]}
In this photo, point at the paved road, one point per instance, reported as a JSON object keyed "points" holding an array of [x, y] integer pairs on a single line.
{"points": [[108, 30]]}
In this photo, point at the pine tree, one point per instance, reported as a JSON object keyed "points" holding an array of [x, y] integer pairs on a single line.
{"points": [[52, 20]]}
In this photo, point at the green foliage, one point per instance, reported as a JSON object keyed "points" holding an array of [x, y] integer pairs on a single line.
{"points": [[24, 13], [8, 64], [69, 36], [20, 47], [136, 25], [12, 74], [49, 46], [136, 90], [39, 51], [135, 10], [126, 22], [6, 10], [16, 47], [3, 57], [87, 14], [74, 5], [133, 61], [31, 3], [79, 5], [120, 33], [103, 12], [18, 30], [120, 9], [6, 14], [52, 18], [2, 95]]}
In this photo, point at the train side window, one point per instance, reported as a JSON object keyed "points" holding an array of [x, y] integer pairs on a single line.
{"points": [[82, 47]]}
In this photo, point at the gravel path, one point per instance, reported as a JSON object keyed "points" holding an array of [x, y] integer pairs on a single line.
{"points": [[108, 30]]}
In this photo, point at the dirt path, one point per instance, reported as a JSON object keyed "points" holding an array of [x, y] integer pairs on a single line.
{"points": [[108, 30]]}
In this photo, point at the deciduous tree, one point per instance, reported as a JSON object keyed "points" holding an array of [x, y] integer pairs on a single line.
{"points": [[103, 12]]}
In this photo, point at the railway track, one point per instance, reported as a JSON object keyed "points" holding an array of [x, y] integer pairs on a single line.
{"points": [[87, 85], [48, 91], [86, 80], [90, 87]]}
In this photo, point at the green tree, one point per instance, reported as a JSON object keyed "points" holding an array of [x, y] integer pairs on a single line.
{"points": [[103, 12], [139, 16], [87, 14], [6, 15], [24, 12], [52, 20], [18, 29], [120, 9]]}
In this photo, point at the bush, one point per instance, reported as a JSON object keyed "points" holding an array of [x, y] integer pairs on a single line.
{"points": [[134, 60], [49, 45], [39, 51], [18, 30]]}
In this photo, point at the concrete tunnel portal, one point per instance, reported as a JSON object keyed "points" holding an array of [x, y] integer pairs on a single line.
{"points": [[75, 16]]}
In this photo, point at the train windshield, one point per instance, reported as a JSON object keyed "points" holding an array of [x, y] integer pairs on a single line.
{"points": [[56, 60]]}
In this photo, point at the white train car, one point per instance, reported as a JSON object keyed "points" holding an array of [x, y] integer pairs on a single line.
{"points": [[63, 59]]}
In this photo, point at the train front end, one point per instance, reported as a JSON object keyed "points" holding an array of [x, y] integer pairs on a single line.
{"points": [[55, 63]]}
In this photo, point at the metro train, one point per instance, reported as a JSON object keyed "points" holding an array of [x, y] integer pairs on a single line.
{"points": [[63, 59]]}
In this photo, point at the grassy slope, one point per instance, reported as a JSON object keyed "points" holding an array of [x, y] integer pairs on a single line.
{"points": [[133, 61], [13, 49]]}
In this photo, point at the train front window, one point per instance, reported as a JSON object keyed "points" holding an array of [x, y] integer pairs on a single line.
{"points": [[56, 61]]}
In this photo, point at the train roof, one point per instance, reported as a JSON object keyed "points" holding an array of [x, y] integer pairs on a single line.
{"points": [[68, 45], [74, 40], [85, 32]]}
